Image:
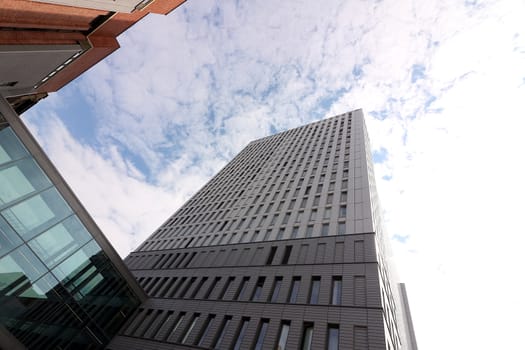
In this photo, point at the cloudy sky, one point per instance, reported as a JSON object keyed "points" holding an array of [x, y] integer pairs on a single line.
{"points": [[442, 86]]}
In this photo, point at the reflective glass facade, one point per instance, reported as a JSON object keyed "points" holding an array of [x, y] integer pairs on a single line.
{"points": [[58, 288]]}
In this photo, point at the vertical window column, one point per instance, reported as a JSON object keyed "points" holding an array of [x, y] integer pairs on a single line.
{"points": [[314, 290], [261, 333], [333, 337]]}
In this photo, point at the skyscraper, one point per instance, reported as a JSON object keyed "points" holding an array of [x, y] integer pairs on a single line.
{"points": [[282, 249]]}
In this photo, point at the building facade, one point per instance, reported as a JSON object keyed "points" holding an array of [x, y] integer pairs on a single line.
{"points": [[62, 285], [282, 249], [46, 44]]}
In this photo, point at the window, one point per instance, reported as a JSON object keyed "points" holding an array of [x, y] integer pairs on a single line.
{"points": [[316, 201], [307, 191], [314, 290], [198, 288], [283, 335], [333, 337], [313, 215], [187, 333], [176, 325], [226, 287], [286, 256], [165, 320], [242, 288], [36, 213], [342, 211], [240, 333], [341, 228], [258, 289], [343, 196], [261, 333], [308, 331], [222, 331], [336, 290], [280, 234], [299, 216], [329, 199], [275, 289], [295, 231], [54, 244], [212, 287], [187, 287], [303, 203], [324, 230], [271, 255], [205, 330], [309, 230], [294, 290], [327, 213]]}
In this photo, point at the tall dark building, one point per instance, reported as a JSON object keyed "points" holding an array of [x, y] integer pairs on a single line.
{"points": [[282, 249]]}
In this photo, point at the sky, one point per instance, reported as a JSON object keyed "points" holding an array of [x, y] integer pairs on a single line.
{"points": [[442, 87]]}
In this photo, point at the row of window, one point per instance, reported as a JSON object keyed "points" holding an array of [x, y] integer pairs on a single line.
{"points": [[291, 139], [238, 175], [351, 249], [211, 331], [319, 229], [208, 215], [228, 288], [210, 211]]}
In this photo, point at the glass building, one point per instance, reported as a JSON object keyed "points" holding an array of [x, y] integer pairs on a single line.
{"points": [[62, 285]]}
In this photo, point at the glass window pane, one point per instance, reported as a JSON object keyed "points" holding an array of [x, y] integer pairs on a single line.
{"points": [[222, 332], [283, 337], [60, 241], [276, 289], [307, 337], [296, 282], [42, 289], [241, 333], [10, 147], [324, 230], [20, 266], [314, 292], [333, 337], [262, 334], [68, 270], [20, 179], [37, 213], [8, 238], [336, 291]]}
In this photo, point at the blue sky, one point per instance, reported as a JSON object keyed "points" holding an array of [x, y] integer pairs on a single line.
{"points": [[442, 87]]}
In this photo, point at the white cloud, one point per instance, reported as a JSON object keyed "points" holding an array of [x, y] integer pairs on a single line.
{"points": [[186, 92], [127, 209]]}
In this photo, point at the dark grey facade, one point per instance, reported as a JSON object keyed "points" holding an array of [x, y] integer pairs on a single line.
{"points": [[62, 285], [282, 249]]}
